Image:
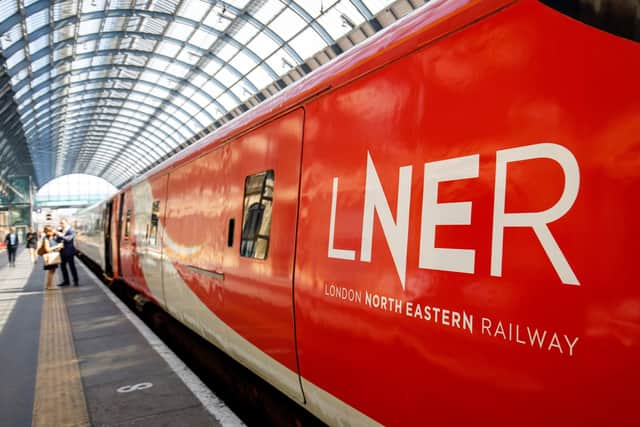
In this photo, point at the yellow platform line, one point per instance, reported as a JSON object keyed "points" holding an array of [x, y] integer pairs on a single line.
{"points": [[59, 398]]}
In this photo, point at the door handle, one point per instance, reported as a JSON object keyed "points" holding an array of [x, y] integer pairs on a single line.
{"points": [[209, 273]]}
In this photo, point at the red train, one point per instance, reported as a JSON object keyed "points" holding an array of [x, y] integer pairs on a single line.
{"points": [[435, 229]]}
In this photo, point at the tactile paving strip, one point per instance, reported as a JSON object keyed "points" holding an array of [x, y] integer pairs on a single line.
{"points": [[59, 397]]}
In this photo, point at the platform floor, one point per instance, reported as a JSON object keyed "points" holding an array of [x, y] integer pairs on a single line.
{"points": [[71, 357]]}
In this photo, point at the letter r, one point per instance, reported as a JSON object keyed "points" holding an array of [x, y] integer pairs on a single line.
{"points": [[536, 220]]}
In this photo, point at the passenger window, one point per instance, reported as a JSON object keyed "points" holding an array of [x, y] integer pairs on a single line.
{"points": [[256, 217], [127, 224], [155, 214]]}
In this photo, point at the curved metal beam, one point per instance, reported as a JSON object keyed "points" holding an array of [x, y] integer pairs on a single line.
{"points": [[77, 106], [115, 112], [55, 125], [47, 83], [106, 154], [101, 90], [169, 18], [60, 103], [109, 52], [86, 125]]}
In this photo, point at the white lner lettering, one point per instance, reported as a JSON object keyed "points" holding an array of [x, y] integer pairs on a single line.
{"points": [[397, 232], [458, 213], [333, 252], [536, 220], [434, 213]]}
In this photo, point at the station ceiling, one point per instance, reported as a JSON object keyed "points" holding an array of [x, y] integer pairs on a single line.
{"points": [[113, 87]]}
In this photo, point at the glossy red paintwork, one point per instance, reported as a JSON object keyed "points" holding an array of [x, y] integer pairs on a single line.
{"points": [[523, 76], [257, 294], [460, 78], [129, 257]]}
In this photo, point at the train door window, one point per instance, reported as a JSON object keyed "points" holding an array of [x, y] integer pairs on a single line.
{"points": [[153, 230], [256, 216], [127, 225]]}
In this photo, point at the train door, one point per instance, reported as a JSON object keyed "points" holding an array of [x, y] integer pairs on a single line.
{"points": [[106, 222], [127, 244], [116, 230], [149, 199], [263, 176], [194, 241]]}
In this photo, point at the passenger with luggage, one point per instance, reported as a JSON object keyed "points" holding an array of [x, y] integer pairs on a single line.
{"points": [[50, 252]]}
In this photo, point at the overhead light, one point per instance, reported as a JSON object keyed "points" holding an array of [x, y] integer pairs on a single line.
{"points": [[346, 22], [286, 64]]}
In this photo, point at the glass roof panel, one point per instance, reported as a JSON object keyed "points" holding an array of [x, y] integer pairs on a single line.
{"points": [[37, 20], [287, 24], [13, 35], [211, 67], [64, 9], [176, 69], [202, 39], [270, 10], [39, 43], [89, 27], [93, 5], [226, 77], [180, 31], [242, 63], [168, 48], [119, 4], [153, 25], [194, 9], [260, 78], [199, 99], [245, 33], [227, 101], [212, 89], [7, 9], [308, 43], [188, 56], [241, 91], [166, 6], [263, 44], [227, 52], [240, 4], [39, 63]]}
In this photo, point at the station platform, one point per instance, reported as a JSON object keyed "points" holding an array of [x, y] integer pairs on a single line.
{"points": [[76, 356]]}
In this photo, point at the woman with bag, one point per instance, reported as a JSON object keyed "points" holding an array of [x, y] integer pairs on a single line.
{"points": [[50, 252]]}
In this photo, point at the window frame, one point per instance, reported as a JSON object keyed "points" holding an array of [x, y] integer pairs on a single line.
{"points": [[248, 247]]}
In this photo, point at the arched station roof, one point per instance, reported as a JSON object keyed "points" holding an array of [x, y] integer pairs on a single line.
{"points": [[113, 87]]}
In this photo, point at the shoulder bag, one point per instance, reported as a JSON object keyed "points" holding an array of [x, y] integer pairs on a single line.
{"points": [[52, 258]]}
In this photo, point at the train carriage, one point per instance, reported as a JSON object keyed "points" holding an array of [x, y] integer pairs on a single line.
{"points": [[437, 228]]}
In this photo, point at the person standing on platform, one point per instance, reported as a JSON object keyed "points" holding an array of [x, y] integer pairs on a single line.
{"points": [[49, 244], [32, 243], [11, 241], [66, 237]]}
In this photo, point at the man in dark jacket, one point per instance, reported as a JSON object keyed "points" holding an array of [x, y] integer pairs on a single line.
{"points": [[67, 253], [11, 241]]}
